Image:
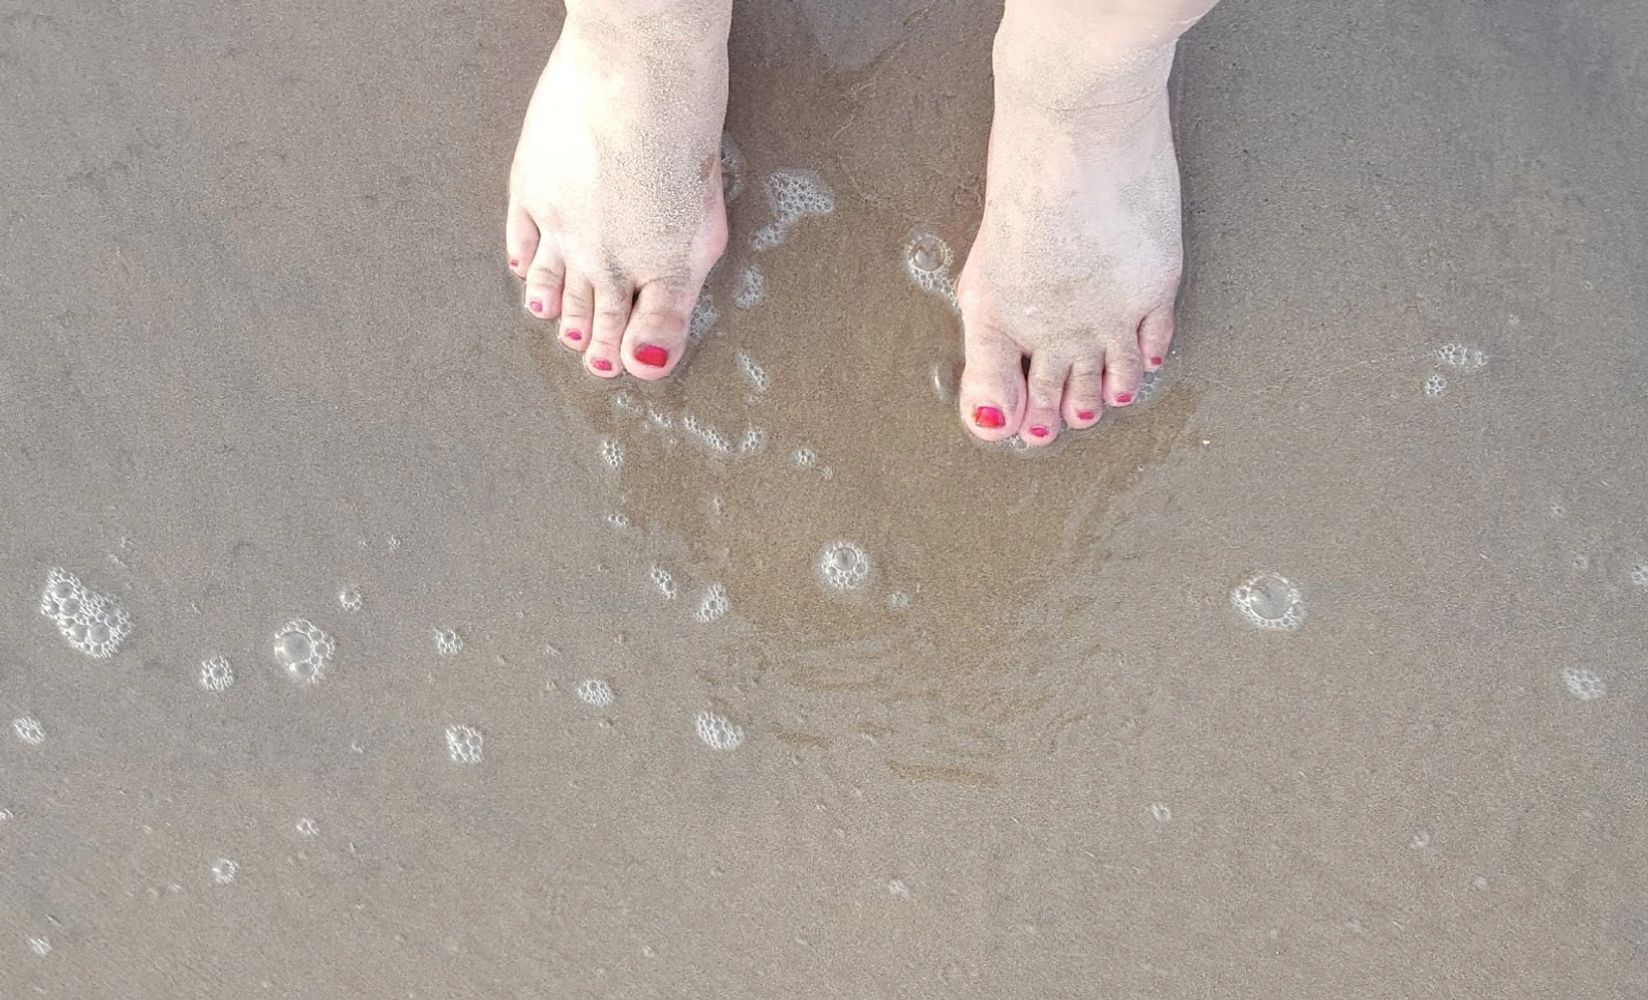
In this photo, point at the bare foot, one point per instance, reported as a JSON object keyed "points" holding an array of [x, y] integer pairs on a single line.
{"points": [[1077, 259], [615, 205]]}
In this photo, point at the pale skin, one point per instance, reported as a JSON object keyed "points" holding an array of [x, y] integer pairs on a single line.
{"points": [[616, 215]]}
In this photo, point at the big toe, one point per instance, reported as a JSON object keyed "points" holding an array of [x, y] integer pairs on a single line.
{"points": [[656, 335], [992, 392]]}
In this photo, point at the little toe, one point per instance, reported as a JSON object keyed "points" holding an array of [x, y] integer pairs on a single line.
{"points": [[1155, 336], [992, 393], [1041, 415], [1123, 370], [545, 279], [577, 312], [520, 239], [612, 309], [656, 335], [1084, 394]]}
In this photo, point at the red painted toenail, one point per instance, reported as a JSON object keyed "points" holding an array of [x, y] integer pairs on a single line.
{"points": [[574, 335], [514, 263], [1038, 431], [1155, 361], [1123, 398], [600, 364], [989, 417], [536, 305], [652, 356], [1084, 414]]}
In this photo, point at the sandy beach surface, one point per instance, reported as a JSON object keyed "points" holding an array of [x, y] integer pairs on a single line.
{"points": [[1320, 673]]}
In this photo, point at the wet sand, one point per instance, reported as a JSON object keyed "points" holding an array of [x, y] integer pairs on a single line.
{"points": [[260, 348]]}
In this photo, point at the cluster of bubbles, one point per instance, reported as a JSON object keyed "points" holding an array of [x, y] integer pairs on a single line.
{"points": [[448, 642], [463, 744], [594, 691], [1639, 575], [307, 827], [714, 604], [844, 566], [752, 287], [1459, 358], [710, 437], [718, 733], [40, 946], [664, 581], [29, 730], [792, 195], [754, 441], [216, 674], [1583, 684], [89, 621], [927, 260], [754, 374], [612, 453], [224, 870], [350, 599], [704, 316], [304, 650], [733, 169], [1269, 601], [1160, 812], [618, 520]]}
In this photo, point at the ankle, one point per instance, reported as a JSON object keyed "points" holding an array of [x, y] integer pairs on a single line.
{"points": [[682, 23], [1038, 65]]}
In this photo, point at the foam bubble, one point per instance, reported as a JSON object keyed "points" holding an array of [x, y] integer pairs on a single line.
{"points": [[714, 604], [594, 691], [707, 435], [927, 261], [659, 419], [1421, 840], [754, 441], [448, 642], [304, 650], [717, 732], [792, 195], [463, 744], [663, 580], [87, 620], [618, 520], [754, 374], [1639, 575], [224, 870], [1160, 812], [624, 401], [898, 600], [844, 566], [216, 674], [1269, 601], [612, 453], [350, 599], [1583, 684], [704, 315], [307, 827], [752, 288], [40, 946], [1436, 385], [29, 730], [733, 169], [804, 458], [1461, 356]]}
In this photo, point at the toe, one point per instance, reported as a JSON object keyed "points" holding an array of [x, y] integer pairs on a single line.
{"points": [[992, 392], [1041, 415], [545, 279], [1155, 336], [520, 239], [1123, 368], [657, 331], [577, 312], [1083, 393], [612, 309]]}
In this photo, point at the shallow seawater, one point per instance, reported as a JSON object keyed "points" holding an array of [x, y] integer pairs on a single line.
{"points": [[1319, 669]]}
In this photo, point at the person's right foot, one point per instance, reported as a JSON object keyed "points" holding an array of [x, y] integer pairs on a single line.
{"points": [[615, 206]]}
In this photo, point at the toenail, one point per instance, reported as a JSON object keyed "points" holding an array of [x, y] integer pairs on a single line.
{"points": [[652, 356], [1155, 361], [536, 305], [989, 417], [514, 263], [1123, 398], [1038, 431], [574, 335], [1084, 414], [600, 364]]}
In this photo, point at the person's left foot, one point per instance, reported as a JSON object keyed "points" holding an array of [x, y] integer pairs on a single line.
{"points": [[1077, 259]]}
